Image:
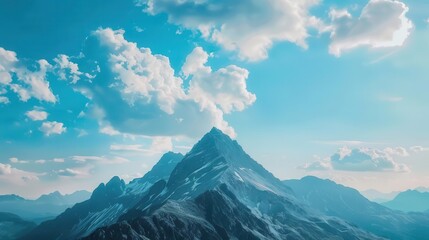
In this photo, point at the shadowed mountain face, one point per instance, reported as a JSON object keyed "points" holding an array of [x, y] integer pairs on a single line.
{"points": [[336, 200], [218, 192], [107, 203], [410, 201], [12, 226], [45, 207]]}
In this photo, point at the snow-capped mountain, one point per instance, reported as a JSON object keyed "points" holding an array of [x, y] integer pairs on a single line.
{"points": [[219, 192], [347, 203], [107, 203]]}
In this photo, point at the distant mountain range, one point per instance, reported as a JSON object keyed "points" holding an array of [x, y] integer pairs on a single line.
{"points": [[410, 201], [216, 191], [347, 203], [13, 227], [379, 197], [45, 207]]}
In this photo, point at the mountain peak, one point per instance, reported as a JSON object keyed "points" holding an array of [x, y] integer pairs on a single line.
{"points": [[216, 139]]}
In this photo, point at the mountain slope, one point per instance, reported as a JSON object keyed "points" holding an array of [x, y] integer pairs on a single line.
{"points": [[219, 192], [378, 197], [46, 206], [336, 200], [107, 203], [12, 226], [410, 201]]}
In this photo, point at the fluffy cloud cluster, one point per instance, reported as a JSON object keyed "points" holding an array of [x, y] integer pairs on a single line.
{"points": [[382, 23], [52, 128], [29, 84], [143, 95], [365, 159], [225, 88], [37, 115], [67, 69], [362, 159], [249, 27]]}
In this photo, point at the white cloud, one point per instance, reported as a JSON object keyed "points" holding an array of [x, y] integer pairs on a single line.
{"points": [[417, 149], [34, 83], [58, 160], [366, 159], [67, 69], [69, 172], [5, 169], [4, 100], [7, 61], [52, 128], [316, 166], [397, 151], [11, 176], [37, 115], [16, 160], [382, 23], [226, 87], [158, 145], [131, 148], [140, 74], [109, 130], [29, 83], [361, 160], [100, 159], [145, 97], [249, 27]]}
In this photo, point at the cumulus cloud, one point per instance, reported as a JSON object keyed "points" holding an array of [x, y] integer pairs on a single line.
{"points": [[4, 100], [382, 23], [37, 115], [30, 84], [33, 83], [226, 87], [141, 94], [67, 70], [360, 160], [365, 159], [248, 27], [397, 151], [52, 128], [141, 74], [8, 60]]}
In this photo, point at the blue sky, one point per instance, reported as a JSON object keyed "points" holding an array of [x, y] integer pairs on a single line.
{"points": [[336, 89]]}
